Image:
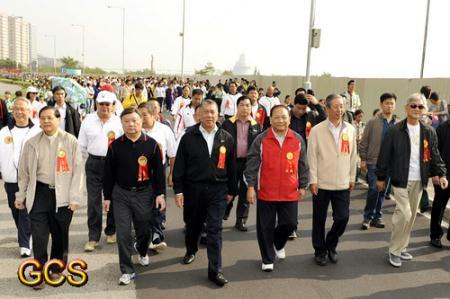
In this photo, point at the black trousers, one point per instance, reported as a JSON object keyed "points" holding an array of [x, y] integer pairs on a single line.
{"points": [[270, 235], [340, 203], [21, 217], [47, 219], [437, 212], [94, 186], [205, 202], [242, 206], [136, 207]]}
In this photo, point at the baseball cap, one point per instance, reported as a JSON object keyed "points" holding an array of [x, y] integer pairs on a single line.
{"points": [[32, 89], [106, 97], [107, 87]]}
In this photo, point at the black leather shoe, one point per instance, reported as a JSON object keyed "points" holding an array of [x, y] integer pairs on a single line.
{"points": [[203, 240], [320, 260], [228, 211], [241, 226], [218, 279], [332, 256], [188, 258], [436, 243]]}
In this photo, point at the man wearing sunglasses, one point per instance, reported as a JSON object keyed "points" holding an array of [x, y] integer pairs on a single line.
{"points": [[97, 132], [410, 156]]}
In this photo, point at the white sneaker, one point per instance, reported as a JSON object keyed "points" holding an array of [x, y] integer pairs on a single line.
{"points": [[25, 252], [144, 260], [281, 254], [267, 267], [158, 245], [406, 256], [125, 279]]}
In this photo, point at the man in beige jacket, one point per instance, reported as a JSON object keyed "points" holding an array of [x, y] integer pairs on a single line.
{"points": [[50, 187], [332, 170]]}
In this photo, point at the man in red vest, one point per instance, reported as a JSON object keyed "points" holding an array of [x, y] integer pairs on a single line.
{"points": [[276, 174]]}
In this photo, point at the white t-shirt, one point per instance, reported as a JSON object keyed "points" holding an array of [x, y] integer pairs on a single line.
{"points": [[269, 102], [62, 111], [414, 159]]}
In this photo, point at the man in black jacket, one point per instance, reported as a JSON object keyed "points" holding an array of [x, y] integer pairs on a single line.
{"points": [[70, 118], [204, 180], [409, 156], [302, 120], [441, 196], [244, 130]]}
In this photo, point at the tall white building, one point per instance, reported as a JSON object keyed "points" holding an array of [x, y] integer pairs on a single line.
{"points": [[19, 40], [4, 37]]}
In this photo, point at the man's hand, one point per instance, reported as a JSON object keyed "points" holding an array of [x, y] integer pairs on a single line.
{"points": [[19, 205], [312, 99], [179, 200], [160, 202], [169, 180], [443, 182], [435, 180], [301, 193], [363, 166], [251, 195], [73, 206], [380, 185], [314, 189], [229, 198], [351, 186], [106, 204]]}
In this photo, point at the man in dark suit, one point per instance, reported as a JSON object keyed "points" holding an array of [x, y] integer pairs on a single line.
{"points": [[70, 118]]}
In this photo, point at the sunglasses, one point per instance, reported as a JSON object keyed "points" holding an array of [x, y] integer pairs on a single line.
{"points": [[104, 104], [415, 106]]}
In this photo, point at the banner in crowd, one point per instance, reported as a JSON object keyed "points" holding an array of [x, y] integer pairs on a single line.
{"points": [[75, 92]]}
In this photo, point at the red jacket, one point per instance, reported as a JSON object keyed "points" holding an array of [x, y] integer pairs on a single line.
{"points": [[281, 170]]}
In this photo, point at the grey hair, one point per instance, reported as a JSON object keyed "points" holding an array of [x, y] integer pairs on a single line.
{"points": [[150, 106], [330, 99], [23, 99], [417, 97]]}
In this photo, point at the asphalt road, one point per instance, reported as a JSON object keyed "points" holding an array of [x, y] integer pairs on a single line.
{"points": [[362, 271]]}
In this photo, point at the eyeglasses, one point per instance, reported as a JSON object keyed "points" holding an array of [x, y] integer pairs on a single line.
{"points": [[104, 104], [415, 106]]}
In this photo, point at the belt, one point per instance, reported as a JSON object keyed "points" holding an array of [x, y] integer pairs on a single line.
{"points": [[97, 157], [241, 159], [45, 185], [135, 189]]}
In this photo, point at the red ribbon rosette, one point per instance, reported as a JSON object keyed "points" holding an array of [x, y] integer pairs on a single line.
{"points": [[426, 151], [143, 169], [290, 157], [222, 157], [308, 129], [345, 145], [61, 163]]}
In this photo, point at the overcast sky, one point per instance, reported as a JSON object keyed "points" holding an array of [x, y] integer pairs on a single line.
{"points": [[360, 38]]}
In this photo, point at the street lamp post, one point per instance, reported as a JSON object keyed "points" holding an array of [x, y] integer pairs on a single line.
{"points": [[83, 48], [123, 35], [425, 40], [307, 83], [54, 51], [182, 39]]}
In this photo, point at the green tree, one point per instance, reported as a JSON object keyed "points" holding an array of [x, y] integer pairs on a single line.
{"points": [[228, 73], [7, 63], [207, 70], [69, 63]]}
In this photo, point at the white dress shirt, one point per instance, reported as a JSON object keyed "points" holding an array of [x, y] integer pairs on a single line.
{"points": [[93, 136], [336, 131], [165, 139], [414, 158], [62, 111], [209, 137]]}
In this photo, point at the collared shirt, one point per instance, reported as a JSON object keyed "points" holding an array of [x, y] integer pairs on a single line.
{"points": [[269, 102], [36, 106], [179, 103], [209, 137], [228, 105], [185, 119], [165, 139], [254, 110], [242, 137], [414, 158], [280, 138], [336, 131], [46, 163], [62, 111], [94, 134]]}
